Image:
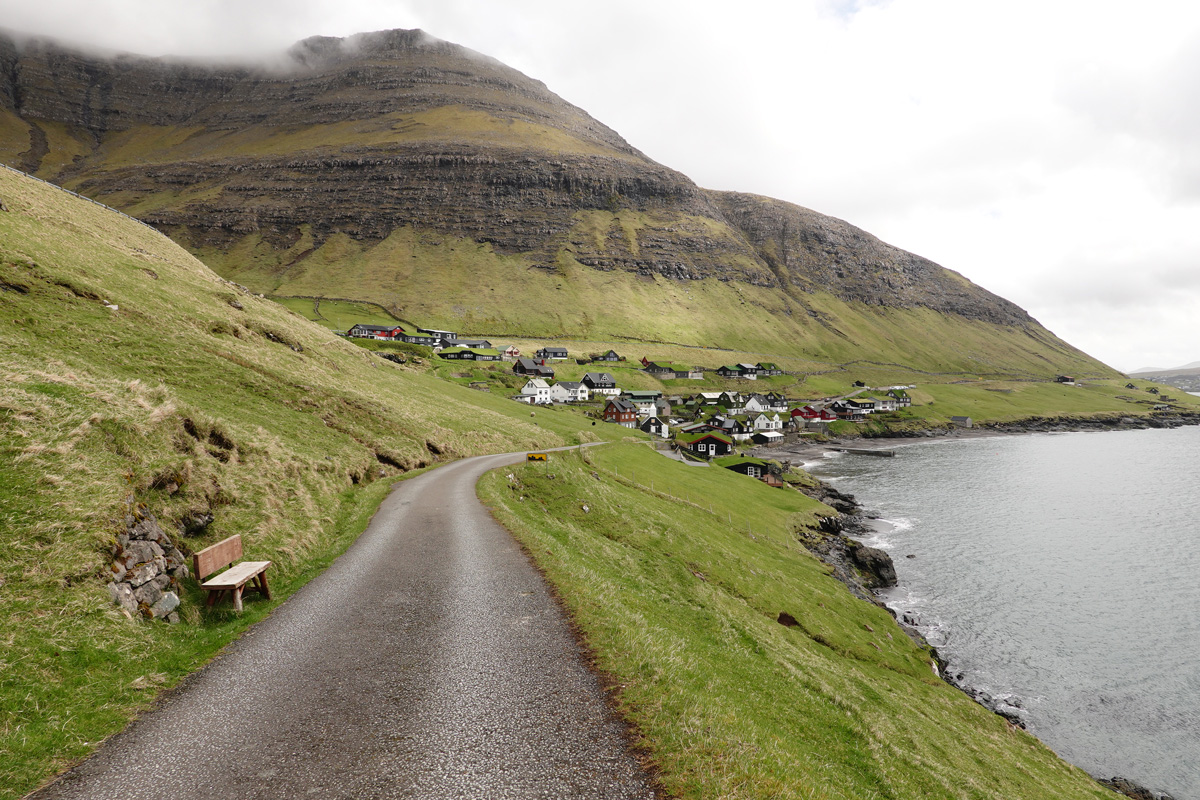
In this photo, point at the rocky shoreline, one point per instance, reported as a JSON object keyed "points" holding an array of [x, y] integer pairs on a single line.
{"points": [[866, 570]]}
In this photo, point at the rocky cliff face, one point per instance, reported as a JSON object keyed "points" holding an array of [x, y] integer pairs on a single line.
{"points": [[383, 131]]}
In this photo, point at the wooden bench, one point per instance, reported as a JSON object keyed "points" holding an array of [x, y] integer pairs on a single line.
{"points": [[233, 580]]}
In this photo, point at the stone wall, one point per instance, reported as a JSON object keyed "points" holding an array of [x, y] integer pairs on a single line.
{"points": [[147, 569]]}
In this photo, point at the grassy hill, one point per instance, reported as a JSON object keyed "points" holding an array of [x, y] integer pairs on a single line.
{"points": [[133, 374], [679, 577], [131, 369]]}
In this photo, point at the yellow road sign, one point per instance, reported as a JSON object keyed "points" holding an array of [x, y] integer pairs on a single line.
{"points": [[535, 456]]}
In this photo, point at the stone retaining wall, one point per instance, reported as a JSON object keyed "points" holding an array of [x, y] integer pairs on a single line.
{"points": [[147, 569]]}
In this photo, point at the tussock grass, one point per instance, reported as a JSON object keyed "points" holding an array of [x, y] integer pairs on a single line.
{"points": [[677, 589]]}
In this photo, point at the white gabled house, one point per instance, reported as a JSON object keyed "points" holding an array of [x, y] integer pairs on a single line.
{"points": [[576, 391], [764, 423], [886, 404], [558, 394], [538, 391], [756, 404]]}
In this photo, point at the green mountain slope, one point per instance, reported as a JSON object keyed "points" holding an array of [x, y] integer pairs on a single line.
{"points": [[135, 378], [400, 170]]}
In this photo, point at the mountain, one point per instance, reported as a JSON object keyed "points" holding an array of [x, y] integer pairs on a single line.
{"points": [[399, 169], [1186, 377], [1148, 371]]}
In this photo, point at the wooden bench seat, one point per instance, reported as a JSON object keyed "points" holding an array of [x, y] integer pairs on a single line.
{"points": [[236, 579]]}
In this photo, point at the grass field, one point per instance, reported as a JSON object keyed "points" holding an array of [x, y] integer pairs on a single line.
{"points": [[130, 369], [338, 315], [129, 366], [677, 577]]}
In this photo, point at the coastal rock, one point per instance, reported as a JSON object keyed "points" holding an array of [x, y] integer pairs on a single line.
{"points": [[1131, 789], [876, 563]]}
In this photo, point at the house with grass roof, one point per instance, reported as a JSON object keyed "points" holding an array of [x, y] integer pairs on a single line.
{"points": [[670, 370], [901, 397], [745, 465], [611, 355], [726, 371], [767, 369], [709, 444]]}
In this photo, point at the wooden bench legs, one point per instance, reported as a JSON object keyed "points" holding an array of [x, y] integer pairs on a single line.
{"points": [[256, 583]]}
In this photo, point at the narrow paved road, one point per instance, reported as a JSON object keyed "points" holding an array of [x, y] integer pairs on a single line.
{"points": [[429, 661]]}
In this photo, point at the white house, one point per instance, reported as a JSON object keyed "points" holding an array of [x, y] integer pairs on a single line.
{"points": [[764, 423], [558, 394], [538, 390], [645, 406], [756, 404], [885, 404], [576, 391]]}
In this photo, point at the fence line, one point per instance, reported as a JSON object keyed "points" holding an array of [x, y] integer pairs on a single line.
{"points": [[82, 197]]}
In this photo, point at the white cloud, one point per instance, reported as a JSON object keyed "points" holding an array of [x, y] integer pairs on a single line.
{"points": [[1035, 147]]}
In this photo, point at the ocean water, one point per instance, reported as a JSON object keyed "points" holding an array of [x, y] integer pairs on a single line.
{"points": [[1060, 572]]}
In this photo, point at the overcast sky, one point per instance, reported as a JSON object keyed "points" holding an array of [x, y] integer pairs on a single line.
{"points": [[1049, 151]]}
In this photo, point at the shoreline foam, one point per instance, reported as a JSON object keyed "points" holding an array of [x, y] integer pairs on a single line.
{"points": [[859, 526]]}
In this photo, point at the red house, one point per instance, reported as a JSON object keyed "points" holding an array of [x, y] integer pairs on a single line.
{"points": [[621, 411], [808, 412]]}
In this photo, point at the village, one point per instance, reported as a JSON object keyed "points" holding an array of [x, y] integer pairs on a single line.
{"points": [[719, 427]]}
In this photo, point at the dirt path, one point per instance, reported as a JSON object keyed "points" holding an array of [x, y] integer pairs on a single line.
{"points": [[429, 661]]}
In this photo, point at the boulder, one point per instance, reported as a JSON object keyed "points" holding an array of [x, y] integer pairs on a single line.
{"points": [[876, 563]]}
